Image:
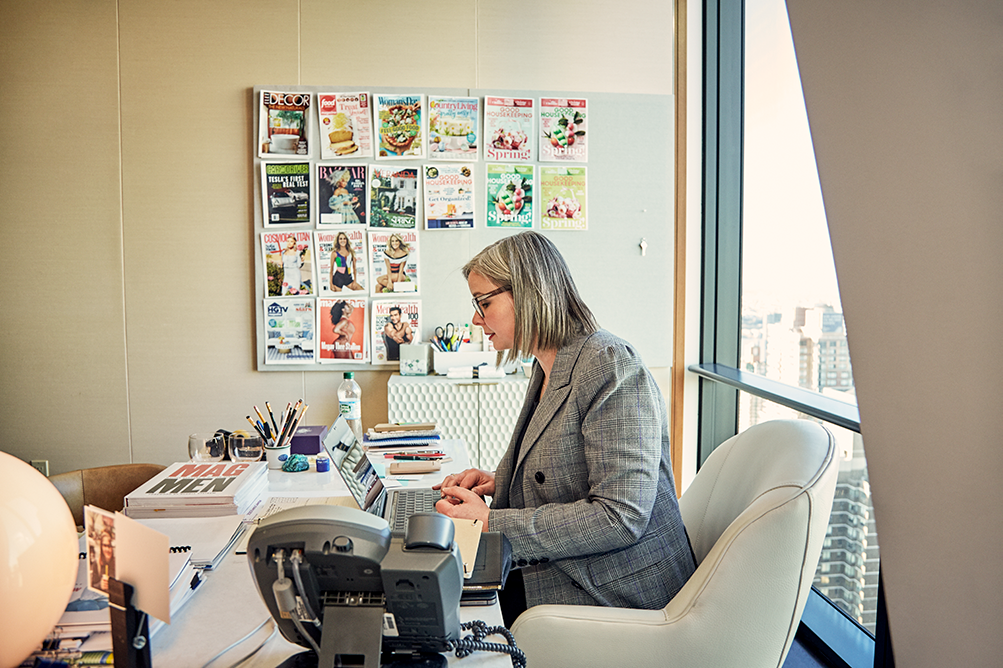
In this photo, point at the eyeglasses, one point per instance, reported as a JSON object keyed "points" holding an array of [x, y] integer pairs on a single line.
{"points": [[476, 301]]}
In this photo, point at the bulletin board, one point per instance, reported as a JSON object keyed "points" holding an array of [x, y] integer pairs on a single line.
{"points": [[622, 262]]}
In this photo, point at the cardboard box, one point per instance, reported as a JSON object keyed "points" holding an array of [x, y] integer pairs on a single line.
{"points": [[308, 440]]}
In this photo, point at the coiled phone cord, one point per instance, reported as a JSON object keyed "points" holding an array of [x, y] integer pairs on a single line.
{"points": [[475, 643]]}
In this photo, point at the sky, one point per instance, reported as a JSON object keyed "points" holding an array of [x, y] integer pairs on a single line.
{"points": [[786, 251]]}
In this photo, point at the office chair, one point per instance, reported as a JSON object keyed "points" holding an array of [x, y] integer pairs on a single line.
{"points": [[756, 514], [102, 486]]}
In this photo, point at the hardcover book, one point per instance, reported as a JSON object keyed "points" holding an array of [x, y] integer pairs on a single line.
{"points": [[205, 489]]}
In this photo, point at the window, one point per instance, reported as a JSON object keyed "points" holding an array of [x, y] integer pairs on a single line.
{"points": [[773, 341]]}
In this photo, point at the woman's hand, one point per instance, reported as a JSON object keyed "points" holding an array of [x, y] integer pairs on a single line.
{"points": [[462, 503], [479, 482]]}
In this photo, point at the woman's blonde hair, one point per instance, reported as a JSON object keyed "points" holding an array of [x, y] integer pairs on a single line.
{"points": [[549, 312]]}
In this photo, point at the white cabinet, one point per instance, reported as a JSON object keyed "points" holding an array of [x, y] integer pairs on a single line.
{"points": [[480, 411]]}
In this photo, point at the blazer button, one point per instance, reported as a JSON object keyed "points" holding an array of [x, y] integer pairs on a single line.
{"points": [[534, 562], [540, 477], [544, 560], [523, 562]]}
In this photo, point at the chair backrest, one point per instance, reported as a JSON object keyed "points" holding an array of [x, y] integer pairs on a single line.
{"points": [[102, 486], [757, 513]]}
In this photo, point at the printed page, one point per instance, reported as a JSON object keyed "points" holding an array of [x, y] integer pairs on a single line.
{"points": [[346, 129], [394, 262], [563, 136], [342, 195], [563, 198], [510, 191], [453, 127], [393, 322], [449, 196], [399, 123], [342, 261], [283, 124], [341, 323]]}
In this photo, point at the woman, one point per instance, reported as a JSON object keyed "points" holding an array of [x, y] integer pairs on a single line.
{"points": [[395, 257], [343, 202], [585, 491], [292, 263], [343, 328], [343, 264]]}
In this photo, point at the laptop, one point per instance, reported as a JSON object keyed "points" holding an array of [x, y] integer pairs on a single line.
{"points": [[348, 458]]}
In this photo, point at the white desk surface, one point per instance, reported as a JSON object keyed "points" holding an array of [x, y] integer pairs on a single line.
{"points": [[227, 605]]}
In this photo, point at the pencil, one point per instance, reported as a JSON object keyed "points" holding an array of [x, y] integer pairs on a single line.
{"points": [[256, 427], [268, 407]]}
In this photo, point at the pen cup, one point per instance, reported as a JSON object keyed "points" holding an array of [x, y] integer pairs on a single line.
{"points": [[276, 456]]}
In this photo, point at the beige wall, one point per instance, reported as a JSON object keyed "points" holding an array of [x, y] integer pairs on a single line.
{"points": [[127, 198], [904, 101]]}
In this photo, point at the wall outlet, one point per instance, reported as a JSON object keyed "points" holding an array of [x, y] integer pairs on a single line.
{"points": [[42, 465]]}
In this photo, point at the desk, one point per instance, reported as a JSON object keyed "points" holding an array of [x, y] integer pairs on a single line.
{"points": [[227, 605]]}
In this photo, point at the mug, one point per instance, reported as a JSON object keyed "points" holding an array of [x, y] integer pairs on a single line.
{"points": [[276, 456]]}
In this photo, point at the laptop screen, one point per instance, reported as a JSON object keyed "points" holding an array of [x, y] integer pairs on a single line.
{"points": [[349, 459]]}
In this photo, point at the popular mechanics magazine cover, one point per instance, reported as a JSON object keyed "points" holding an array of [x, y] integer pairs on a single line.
{"points": [[346, 129], [393, 323], [283, 124], [393, 257], [510, 196], [285, 191], [449, 196], [341, 323], [288, 258], [393, 197], [562, 130], [343, 193], [399, 120], [342, 261], [289, 331], [562, 198], [453, 127], [508, 129]]}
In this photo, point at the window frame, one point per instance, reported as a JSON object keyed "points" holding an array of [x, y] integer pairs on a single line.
{"points": [[826, 628]]}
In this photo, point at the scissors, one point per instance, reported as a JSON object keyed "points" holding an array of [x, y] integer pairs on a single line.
{"points": [[446, 337]]}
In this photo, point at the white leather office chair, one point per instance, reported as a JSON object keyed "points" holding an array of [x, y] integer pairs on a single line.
{"points": [[756, 514]]}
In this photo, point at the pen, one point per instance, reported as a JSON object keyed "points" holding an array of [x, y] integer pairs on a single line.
{"points": [[417, 458]]}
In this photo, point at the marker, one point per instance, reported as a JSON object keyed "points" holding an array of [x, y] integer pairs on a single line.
{"points": [[268, 407]]}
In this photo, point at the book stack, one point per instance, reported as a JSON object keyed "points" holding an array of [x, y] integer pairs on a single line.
{"points": [[200, 489], [402, 434]]}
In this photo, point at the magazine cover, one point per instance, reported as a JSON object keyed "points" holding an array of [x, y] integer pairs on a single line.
{"points": [[342, 261], [393, 323], [341, 323], [508, 129], [393, 197], [342, 194], [562, 130], [283, 124], [285, 191], [346, 129], [453, 127], [563, 196], [288, 258], [449, 196], [393, 257], [510, 196], [289, 327], [399, 120]]}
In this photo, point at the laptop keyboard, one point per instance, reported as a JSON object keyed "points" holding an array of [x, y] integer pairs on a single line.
{"points": [[410, 502]]}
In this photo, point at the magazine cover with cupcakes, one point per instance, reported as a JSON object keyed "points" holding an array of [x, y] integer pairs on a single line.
{"points": [[453, 127], [563, 136], [508, 129], [510, 193], [346, 129], [399, 121], [563, 191]]}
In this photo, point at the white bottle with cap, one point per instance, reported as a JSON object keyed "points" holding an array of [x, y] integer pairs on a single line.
{"points": [[350, 403]]}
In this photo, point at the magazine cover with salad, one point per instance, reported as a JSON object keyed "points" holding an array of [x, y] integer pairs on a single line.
{"points": [[399, 121]]}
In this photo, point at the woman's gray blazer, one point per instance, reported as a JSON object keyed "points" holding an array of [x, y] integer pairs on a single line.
{"points": [[590, 506]]}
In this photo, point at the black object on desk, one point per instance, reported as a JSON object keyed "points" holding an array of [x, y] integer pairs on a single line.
{"points": [[130, 630]]}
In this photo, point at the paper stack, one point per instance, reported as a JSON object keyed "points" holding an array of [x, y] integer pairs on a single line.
{"points": [[402, 434], [199, 489]]}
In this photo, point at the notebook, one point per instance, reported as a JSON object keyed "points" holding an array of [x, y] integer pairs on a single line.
{"points": [[348, 458]]}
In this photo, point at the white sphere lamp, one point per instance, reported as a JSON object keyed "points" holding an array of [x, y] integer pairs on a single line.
{"points": [[39, 553]]}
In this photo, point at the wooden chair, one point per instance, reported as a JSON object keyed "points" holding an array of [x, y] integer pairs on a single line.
{"points": [[102, 486]]}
